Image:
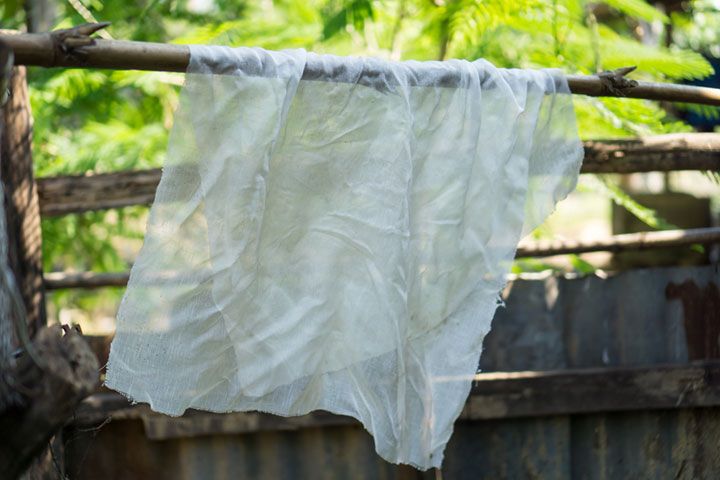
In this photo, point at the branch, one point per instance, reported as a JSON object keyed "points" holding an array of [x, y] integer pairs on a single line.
{"points": [[51, 392], [75, 48]]}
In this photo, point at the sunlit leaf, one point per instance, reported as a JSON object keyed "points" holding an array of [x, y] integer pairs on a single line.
{"points": [[638, 9], [354, 12]]}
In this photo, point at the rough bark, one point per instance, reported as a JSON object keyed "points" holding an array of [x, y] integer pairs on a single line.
{"points": [[498, 395], [51, 391], [79, 193], [22, 209], [663, 153], [62, 370]]}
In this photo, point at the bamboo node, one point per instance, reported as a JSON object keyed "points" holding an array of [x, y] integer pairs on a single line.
{"points": [[615, 82], [69, 42]]}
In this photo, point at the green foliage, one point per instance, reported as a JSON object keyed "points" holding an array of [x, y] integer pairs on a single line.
{"points": [[707, 111], [532, 265], [93, 121], [616, 117], [713, 176], [638, 9], [647, 215], [699, 29], [537, 265], [583, 267], [10, 10], [354, 12], [653, 62]]}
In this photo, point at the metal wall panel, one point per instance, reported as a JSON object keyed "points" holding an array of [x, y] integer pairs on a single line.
{"points": [[626, 319], [635, 318]]}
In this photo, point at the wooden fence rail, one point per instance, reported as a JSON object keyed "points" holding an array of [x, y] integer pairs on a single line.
{"points": [[664, 153], [623, 242], [496, 395], [616, 243]]}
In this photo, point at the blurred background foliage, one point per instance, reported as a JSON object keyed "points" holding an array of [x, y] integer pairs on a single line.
{"points": [[101, 121]]}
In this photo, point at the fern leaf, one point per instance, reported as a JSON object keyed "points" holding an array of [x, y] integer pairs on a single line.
{"points": [[354, 13], [646, 215], [638, 9]]}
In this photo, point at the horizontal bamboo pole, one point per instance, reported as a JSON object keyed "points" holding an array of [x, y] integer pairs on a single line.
{"points": [[75, 48], [697, 151], [617, 243]]}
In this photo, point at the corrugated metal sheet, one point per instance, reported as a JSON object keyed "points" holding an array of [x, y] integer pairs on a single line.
{"points": [[626, 320], [121, 450], [553, 323]]}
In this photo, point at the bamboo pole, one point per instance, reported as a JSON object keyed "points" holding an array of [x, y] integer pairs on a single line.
{"points": [[75, 48], [617, 243]]}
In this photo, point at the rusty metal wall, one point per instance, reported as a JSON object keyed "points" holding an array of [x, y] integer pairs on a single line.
{"points": [[635, 318], [677, 444], [639, 317]]}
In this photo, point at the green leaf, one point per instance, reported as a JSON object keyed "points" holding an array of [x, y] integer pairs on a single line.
{"points": [[647, 215], [638, 9], [581, 266], [354, 13], [530, 265], [713, 176], [706, 111]]}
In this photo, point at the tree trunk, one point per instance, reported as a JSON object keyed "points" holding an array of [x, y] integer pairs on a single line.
{"points": [[22, 210], [52, 381]]}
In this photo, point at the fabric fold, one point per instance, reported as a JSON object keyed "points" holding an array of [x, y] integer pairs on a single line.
{"points": [[333, 233]]}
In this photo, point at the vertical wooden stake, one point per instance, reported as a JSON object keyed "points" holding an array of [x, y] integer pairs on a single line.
{"points": [[21, 200], [22, 214]]}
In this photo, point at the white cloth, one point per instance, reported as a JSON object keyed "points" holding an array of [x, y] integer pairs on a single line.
{"points": [[333, 233]]}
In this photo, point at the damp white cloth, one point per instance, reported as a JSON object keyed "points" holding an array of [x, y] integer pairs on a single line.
{"points": [[333, 233]]}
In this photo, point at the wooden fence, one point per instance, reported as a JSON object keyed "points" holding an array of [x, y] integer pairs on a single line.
{"points": [[584, 378]]}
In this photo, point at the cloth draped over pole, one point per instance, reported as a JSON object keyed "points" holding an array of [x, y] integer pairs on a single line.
{"points": [[339, 244], [74, 47]]}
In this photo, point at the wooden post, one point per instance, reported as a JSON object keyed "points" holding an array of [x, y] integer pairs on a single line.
{"points": [[22, 209], [62, 370]]}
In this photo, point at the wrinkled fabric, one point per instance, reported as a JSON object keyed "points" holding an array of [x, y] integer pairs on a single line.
{"points": [[333, 233]]}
